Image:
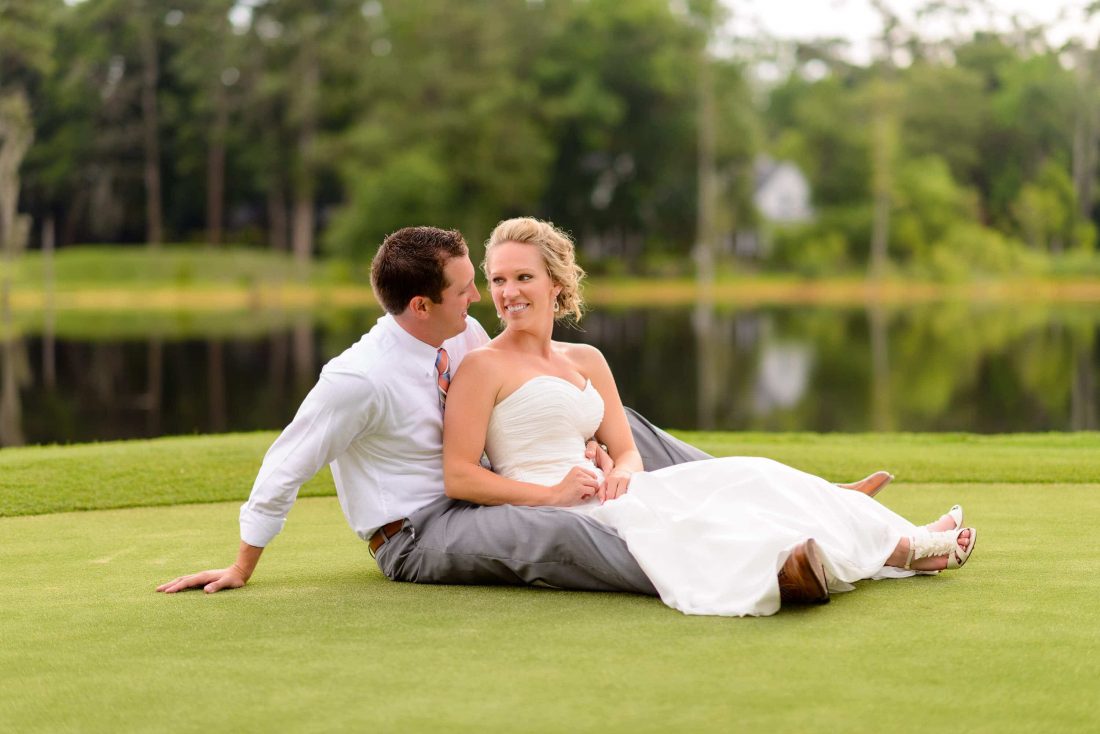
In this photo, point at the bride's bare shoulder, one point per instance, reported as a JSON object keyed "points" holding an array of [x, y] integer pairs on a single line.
{"points": [[487, 360], [585, 356]]}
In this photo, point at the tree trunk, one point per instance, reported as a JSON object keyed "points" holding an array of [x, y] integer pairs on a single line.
{"points": [[884, 102], [15, 139], [705, 244], [277, 217], [883, 138], [71, 217], [16, 136], [303, 225], [154, 220], [215, 167], [304, 184], [1086, 135]]}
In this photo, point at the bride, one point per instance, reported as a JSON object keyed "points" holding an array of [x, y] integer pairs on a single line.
{"points": [[710, 535]]}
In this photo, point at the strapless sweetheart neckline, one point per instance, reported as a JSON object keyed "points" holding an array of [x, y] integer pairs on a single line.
{"points": [[587, 385]]}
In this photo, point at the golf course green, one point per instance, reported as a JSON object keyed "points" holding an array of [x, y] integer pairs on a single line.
{"points": [[321, 641]]}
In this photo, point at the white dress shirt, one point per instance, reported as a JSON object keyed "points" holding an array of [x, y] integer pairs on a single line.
{"points": [[374, 417]]}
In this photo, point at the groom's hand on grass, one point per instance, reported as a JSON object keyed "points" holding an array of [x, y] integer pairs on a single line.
{"points": [[211, 581]]}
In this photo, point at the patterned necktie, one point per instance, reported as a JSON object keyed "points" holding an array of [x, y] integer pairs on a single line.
{"points": [[443, 369]]}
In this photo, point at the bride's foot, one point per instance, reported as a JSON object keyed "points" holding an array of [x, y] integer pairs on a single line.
{"points": [[950, 521], [927, 551]]}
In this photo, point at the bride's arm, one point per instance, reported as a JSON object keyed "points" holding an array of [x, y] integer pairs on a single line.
{"points": [[470, 400], [614, 431]]}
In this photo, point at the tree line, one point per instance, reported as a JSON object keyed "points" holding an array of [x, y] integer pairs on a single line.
{"points": [[319, 126]]}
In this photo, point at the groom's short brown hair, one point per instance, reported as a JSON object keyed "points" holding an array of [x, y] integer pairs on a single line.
{"points": [[410, 263]]}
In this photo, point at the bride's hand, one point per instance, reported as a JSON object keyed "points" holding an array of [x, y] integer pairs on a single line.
{"points": [[615, 485], [579, 485]]}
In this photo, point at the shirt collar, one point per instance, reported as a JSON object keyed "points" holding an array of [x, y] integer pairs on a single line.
{"points": [[406, 341]]}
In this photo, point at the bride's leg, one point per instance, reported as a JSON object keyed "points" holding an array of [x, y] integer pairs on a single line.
{"points": [[933, 563]]}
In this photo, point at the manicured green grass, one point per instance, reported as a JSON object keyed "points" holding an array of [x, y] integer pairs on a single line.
{"points": [[320, 641], [168, 471]]}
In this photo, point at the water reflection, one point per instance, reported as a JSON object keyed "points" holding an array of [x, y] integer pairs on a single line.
{"points": [[1083, 412], [966, 367], [14, 377]]}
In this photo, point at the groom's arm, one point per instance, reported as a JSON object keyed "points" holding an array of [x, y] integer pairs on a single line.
{"points": [[338, 408]]}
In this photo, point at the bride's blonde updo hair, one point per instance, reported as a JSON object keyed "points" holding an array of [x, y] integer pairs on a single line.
{"points": [[557, 252]]}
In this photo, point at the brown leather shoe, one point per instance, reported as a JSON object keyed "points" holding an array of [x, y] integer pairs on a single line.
{"points": [[802, 578], [872, 484]]}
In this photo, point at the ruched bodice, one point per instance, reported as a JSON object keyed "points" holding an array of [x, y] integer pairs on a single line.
{"points": [[537, 434]]}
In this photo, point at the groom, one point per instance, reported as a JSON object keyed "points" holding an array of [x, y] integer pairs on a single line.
{"points": [[375, 416]]}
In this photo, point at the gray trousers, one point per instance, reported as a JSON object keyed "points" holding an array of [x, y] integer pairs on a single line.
{"points": [[455, 542]]}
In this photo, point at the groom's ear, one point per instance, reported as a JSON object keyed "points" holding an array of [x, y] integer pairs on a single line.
{"points": [[420, 307]]}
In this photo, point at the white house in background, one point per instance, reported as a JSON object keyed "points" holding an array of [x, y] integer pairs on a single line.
{"points": [[781, 196]]}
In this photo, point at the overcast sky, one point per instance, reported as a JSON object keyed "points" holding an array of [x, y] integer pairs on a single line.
{"points": [[858, 22]]}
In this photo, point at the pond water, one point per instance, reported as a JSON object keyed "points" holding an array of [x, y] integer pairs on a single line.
{"points": [[977, 367]]}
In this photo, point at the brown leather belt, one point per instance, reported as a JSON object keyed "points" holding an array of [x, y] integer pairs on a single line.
{"points": [[384, 533]]}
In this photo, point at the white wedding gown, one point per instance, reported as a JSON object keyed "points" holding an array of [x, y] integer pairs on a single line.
{"points": [[710, 535]]}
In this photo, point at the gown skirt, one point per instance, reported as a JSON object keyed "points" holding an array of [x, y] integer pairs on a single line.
{"points": [[712, 535]]}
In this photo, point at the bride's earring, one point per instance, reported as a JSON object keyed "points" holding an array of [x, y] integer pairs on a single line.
{"points": [[557, 306]]}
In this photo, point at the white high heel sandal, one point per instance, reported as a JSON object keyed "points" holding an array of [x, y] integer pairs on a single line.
{"points": [[927, 544], [956, 514]]}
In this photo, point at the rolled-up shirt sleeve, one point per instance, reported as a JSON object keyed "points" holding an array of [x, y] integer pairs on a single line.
{"points": [[340, 407]]}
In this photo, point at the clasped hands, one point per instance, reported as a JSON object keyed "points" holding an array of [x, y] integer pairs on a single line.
{"points": [[582, 483]]}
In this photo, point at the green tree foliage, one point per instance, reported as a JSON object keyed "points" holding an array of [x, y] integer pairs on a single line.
{"points": [[578, 111], [929, 203], [990, 136], [449, 128], [275, 121], [1045, 212]]}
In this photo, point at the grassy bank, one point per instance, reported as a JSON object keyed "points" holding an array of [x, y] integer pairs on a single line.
{"points": [[179, 266], [320, 641], [201, 279]]}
